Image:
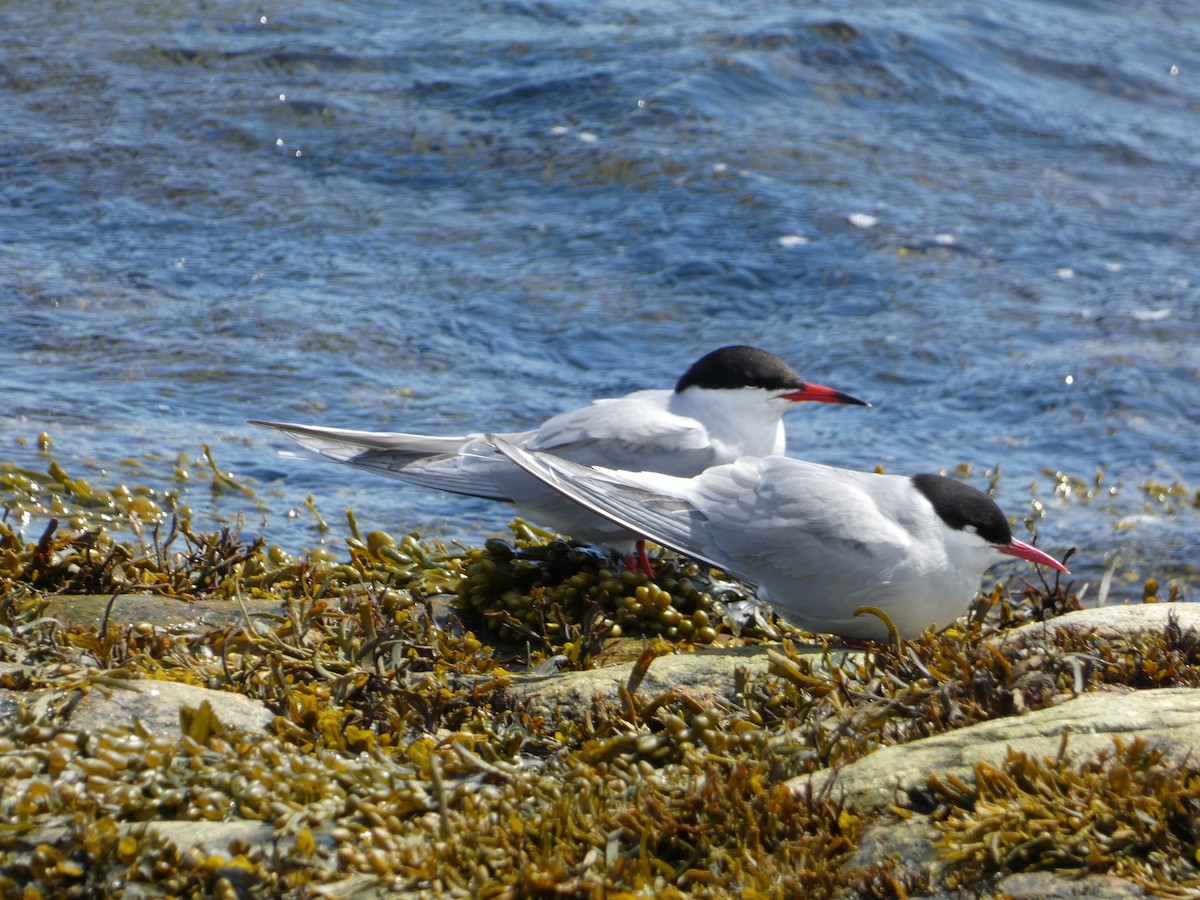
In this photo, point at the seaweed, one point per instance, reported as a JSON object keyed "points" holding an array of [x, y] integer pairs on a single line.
{"points": [[402, 758]]}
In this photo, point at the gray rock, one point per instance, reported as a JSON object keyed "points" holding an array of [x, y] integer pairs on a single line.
{"points": [[158, 703], [1049, 886], [1110, 622], [905, 850], [168, 613], [707, 676], [903, 845], [212, 837], [1167, 719]]}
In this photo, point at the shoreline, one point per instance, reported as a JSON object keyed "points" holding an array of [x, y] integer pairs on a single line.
{"points": [[217, 715]]}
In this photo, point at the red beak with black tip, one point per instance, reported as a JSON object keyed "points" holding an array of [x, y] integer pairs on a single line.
{"points": [[1031, 553], [821, 394]]}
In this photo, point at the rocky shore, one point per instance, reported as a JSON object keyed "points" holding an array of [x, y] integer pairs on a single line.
{"points": [[190, 714]]}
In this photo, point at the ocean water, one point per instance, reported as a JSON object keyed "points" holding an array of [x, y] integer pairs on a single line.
{"points": [[463, 216]]}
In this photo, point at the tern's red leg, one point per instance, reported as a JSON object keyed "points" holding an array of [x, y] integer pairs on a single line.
{"points": [[639, 560], [858, 643]]}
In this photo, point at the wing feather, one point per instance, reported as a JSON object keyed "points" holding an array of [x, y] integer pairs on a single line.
{"points": [[637, 433], [461, 465], [645, 503]]}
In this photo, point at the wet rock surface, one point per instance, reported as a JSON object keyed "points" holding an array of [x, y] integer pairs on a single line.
{"points": [[1167, 719], [166, 613], [1110, 623], [707, 676], [157, 707]]}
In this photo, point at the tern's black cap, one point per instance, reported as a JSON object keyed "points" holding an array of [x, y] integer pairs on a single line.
{"points": [[739, 366], [960, 505]]}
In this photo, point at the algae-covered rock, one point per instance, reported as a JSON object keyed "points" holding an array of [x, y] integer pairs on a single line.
{"points": [[157, 705], [203, 714], [1101, 788], [155, 610], [1127, 623], [1167, 719], [1051, 886], [707, 676]]}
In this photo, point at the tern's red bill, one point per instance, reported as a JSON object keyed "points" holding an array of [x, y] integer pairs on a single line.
{"points": [[822, 394], [1031, 553]]}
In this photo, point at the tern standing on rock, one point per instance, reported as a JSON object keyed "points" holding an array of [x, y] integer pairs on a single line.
{"points": [[729, 404], [816, 541]]}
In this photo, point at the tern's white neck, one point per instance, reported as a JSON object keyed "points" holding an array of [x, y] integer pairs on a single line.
{"points": [[742, 422]]}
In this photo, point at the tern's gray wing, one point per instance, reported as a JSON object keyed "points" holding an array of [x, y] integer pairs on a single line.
{"points": [[646, 508], [460, 465], [637, 433]]}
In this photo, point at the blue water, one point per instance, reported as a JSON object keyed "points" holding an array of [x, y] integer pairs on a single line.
{"points": [[446, 217]]}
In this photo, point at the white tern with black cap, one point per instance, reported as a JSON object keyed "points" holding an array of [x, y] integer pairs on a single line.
{"points": [[728, 404], [818, 542]]}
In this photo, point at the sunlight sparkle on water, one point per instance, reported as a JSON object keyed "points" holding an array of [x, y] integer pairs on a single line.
{"points": [[1151, 315]]}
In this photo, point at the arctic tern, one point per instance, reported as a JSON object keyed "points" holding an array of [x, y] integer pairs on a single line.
{"points": [[818, 542], [728, 404]]}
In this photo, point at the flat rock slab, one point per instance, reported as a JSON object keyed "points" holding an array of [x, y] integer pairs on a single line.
{"points": [[1050, 886], [1168, 719], [212, 837], [169, 613], [706, 675], [157, 705], [1111, 622]]}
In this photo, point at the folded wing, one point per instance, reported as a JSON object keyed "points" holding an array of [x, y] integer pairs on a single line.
{"points": [[645, 503], [461, 465], [637, 433]]}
